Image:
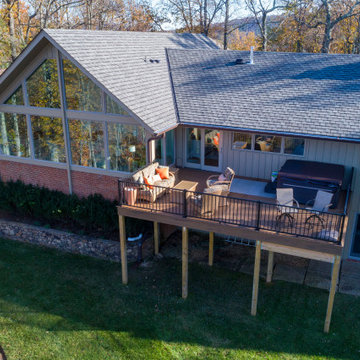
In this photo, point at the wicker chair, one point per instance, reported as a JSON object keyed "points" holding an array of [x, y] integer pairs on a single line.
{"points": [[225, 185]]}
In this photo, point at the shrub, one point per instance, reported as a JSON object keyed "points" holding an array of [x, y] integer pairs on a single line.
{"points": [[86, 215]]}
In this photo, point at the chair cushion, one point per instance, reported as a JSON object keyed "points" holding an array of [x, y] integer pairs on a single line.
{"points": [[215, 190], [148, 182], [156, 178]]}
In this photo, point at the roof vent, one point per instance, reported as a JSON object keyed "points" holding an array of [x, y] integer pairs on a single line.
{"points": [[252, 55], [239, 61]]}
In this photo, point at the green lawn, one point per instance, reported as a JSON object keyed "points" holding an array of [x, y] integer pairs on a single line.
{"points": [[58, 306]]}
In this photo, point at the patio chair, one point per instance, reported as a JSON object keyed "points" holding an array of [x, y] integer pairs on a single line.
{"points": [[285, 204], [322, 202], [225, 185]]}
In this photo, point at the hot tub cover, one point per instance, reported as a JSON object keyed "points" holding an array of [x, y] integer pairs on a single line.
{"points": [[312, 170]]}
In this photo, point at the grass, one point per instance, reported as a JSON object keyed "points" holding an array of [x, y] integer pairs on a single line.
{"points": [[59, 306]]}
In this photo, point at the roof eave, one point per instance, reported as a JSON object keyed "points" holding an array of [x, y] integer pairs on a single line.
{"points": [[272, 132]]}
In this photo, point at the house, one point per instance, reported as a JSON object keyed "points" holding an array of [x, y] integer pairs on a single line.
{"points": [[80, 110]]}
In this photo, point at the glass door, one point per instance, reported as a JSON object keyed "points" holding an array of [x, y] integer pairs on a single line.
{"points": [[193, 147], [202, 147], [211, 154]]}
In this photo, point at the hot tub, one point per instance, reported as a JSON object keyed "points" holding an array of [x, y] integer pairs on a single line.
{"points": [[307, 177]]}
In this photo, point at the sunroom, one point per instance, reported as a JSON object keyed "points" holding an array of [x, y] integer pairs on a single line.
{"points": [[57, 116]]}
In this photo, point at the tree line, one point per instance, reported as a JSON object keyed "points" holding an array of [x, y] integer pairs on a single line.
{"points": [[269, 25]]}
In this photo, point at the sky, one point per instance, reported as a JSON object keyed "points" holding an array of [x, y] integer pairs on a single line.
{"points": [[237, 11]]}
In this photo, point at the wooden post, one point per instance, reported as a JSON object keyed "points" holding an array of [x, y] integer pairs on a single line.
{"points": [[185, 249], [270, 267], [124, 270], [156, 237], [211, 248], [334, 280], [256, 278]]}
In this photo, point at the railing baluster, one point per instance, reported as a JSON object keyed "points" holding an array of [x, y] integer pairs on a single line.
{"points": [[184, 204], [258, 216]]}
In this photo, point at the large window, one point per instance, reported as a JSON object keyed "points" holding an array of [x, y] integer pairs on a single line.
{"points": [[13, 135], [170, 147], [159, 152], [268, 144], [43, 86], [127, 147], [87, 143], [113, 107], [48, 138], [81, 93], [294, 146], [242, 141], [17, 98], [95, 143]]}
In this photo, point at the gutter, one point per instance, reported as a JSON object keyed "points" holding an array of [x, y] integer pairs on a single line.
{"points": [[270, 132]]}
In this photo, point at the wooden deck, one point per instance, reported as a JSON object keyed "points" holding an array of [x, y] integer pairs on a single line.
{"points": [[238, 216], [244, 211]]}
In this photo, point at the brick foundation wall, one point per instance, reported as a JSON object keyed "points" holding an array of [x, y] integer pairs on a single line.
{"points": [[49, 177], [84, 184]]}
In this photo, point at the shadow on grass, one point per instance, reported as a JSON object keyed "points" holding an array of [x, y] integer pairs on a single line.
{"points": [[49, 290]]}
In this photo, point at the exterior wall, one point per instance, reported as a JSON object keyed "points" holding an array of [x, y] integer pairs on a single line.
{"points": [[55, 178], [256, 164], [47, 176], [85, 184]]}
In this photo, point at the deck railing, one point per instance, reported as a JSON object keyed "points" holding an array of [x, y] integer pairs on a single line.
{"points": [[259, 215]]}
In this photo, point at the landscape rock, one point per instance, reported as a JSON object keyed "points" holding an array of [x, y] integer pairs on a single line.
{"points": [[68, 242]]}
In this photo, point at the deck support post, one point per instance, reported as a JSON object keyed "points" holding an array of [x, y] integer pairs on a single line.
{"points": [[256, 278], [334, 280], [156, 237], [185, 253], [270, 267], [211, 248], [124, 269]]}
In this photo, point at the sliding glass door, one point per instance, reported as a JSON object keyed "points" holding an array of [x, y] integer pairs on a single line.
{"points": [[202, 147]]}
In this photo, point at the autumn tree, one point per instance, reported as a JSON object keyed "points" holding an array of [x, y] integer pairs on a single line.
{"points": [[329, 14], [240, 40]]}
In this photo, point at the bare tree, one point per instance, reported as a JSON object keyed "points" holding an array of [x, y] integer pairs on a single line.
{"points": [[226, 24], [194, 15], [261, 9]]}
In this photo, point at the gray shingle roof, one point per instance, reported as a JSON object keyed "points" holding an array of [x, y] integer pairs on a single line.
{"points": [[117, 61], [305, 94]]}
